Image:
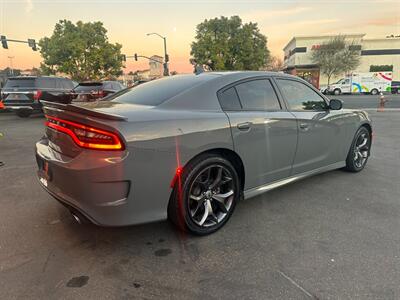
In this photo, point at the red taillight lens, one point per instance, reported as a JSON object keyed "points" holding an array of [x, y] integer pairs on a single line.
{"points": [[86, 136], [37, 94], [101, 93]]}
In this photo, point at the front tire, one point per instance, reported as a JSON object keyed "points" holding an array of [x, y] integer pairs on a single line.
{"points": [[337, 92], [204, 195], [24, 113], [359, 151]]}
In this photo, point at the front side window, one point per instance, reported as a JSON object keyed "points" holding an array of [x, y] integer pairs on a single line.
{"points": [[257, 95], [301, 97]]}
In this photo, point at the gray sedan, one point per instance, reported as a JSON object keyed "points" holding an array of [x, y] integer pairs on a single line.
{"points": [[189, 147]]}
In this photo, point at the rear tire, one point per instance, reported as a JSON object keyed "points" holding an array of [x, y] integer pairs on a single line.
{"points": [[205, 195], [23, 113], [374, 92], [337, 92], [359, 151]]}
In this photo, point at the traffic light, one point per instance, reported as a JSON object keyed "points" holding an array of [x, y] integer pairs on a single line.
{"points": [[4, 42], [135, 56], [32, 44], [123, 57], [166, 58]]}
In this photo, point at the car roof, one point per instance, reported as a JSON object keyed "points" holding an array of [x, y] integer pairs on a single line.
{"points": [[225, 76], [203, 96], [34, 77]]}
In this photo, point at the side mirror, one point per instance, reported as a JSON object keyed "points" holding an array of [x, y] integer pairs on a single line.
{"points": [[335, 104]]}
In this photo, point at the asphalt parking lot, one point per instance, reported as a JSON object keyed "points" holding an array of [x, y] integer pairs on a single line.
{"points": [[332, 236]]}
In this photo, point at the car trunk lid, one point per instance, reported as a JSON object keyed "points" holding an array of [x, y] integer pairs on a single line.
{"points": [[64, 118]]}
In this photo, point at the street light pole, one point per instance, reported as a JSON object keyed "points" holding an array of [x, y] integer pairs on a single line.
{"points": [[166, 58]]}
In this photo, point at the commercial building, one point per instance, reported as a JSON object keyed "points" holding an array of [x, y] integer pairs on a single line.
{"points": [[156, 63], [374, 52]]}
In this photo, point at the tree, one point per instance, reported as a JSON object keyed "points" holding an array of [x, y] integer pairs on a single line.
{"points": [[81, 50], [228, 44], [381, 68], [336, 57], [274, 64]]}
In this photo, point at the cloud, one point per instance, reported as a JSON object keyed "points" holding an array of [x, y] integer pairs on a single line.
{"points": [[384, 21], [28, 6], [315, 22], [265, 14]]}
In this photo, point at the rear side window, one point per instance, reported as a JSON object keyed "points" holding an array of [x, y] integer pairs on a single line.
{"points": [[20, 83], [300, 96], [155, 92], [59, 84], [107, 86], [46, 83], [229, 100], [67, 84], [257, 95], [117, 86]]}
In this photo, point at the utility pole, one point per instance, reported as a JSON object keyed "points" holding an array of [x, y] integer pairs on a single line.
{"points": [[11, 64], [166, 57]]}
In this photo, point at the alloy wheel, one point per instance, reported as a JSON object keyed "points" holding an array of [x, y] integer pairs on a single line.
{"points": [[211, 196], [361, 150]]}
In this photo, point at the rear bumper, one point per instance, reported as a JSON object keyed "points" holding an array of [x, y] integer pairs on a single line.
{"points": [[33, 106], [95, 183]]}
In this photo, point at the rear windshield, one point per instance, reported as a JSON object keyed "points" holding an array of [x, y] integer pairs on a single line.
{"points": [[155, 92], [20, 83]]}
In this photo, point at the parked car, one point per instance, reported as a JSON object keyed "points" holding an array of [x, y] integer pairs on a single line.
{"points": [[24, 94], [324, 89], [395, 87], [90, 91], [189, 146]]}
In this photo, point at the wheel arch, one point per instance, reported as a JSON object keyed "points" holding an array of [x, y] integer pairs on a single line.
{"points": [[229, 155], [368, 126]]}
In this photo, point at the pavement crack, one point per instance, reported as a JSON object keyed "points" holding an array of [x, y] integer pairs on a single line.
{"points": [[47, 261], [303, 290]]}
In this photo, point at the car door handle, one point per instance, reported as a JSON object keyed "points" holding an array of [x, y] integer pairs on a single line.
{"points": [[303, 126], [244, 126]]}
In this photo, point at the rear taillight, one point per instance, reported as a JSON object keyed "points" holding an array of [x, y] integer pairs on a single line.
{"points": [[86, 136], [37, 94], [100, 93]]}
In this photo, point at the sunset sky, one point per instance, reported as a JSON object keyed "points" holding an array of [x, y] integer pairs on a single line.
{"points": [[128, 22]]}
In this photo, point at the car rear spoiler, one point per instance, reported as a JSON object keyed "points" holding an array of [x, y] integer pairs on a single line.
{"points": [[78, 109]]}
